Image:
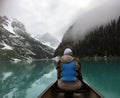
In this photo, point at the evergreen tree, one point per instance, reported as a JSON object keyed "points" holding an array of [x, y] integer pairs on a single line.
{"points": [[101, 41]]}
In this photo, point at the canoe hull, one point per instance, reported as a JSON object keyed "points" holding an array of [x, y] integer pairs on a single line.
{"points": [[51, 93]]}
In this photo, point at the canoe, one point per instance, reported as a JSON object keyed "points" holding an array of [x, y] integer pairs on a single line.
{"points": [[85, 92]]}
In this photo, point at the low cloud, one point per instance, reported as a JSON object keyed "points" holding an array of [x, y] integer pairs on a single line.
{"points": [[99, 15], [55, 16]]}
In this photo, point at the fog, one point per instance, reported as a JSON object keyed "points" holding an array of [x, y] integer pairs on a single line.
{"points": [[56, 16], [101, 15]]}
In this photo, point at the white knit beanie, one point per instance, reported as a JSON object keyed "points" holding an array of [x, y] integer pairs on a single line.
{"points": [[67, 51]]}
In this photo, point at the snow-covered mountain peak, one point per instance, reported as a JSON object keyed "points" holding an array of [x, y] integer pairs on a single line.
{"points": [[48, 39], [7, 24], [16, 43], [4, 20], [13, 26], [18, 26]]}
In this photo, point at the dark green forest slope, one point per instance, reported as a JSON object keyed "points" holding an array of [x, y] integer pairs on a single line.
{"points": [[101, 41]]}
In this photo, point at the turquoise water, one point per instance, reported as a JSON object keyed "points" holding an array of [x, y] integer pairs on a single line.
{"points": [[24, 80], [28, 80], [103, 76]]}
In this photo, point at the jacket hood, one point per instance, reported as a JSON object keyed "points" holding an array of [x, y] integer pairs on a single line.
{"points": [[66, 58]]}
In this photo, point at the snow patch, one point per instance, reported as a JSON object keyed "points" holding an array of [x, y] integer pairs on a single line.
{"points": [[15, 60], [9, 27], [29, 60], [6, 47], [30, 52], [48, 44], [14, 36]]}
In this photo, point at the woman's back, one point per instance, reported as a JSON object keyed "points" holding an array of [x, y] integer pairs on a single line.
{"points": [[68, 69]]}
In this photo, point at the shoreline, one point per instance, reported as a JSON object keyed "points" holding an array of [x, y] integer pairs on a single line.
{"points": [[80, 58], [100, 58]]}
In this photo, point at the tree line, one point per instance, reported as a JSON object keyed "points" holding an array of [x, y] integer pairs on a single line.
{"points": [[101, 41]]}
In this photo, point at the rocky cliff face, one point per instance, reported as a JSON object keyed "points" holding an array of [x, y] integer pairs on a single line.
{"points": [[15, 42]]}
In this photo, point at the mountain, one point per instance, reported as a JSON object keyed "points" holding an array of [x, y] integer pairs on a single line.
{"points": [[48, 40], [16, 43], [99, 41]]}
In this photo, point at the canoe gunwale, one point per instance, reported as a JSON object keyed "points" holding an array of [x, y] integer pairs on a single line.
{"points": [[95, 91], [45, 91]]}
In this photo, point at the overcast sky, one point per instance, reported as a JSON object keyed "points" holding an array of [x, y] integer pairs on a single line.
{"points": [[53, 16]]}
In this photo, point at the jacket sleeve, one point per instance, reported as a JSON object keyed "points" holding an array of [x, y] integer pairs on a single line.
{"points": [[58, 68], [78, 69]]}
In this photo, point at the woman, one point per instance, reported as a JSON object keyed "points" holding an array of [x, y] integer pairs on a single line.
{"points": [[69, 71]]}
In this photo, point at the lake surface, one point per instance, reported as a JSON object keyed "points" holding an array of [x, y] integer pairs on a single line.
{"points": [[28, 80]]}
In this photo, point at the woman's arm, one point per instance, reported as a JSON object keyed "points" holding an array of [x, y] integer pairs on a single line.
{"points": [[78, 69], [58, 68]]}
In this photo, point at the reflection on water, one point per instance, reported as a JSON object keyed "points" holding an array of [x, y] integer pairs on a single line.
{"points": [[24, 80], [6, 75], [38, 86], [28, 80]]}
